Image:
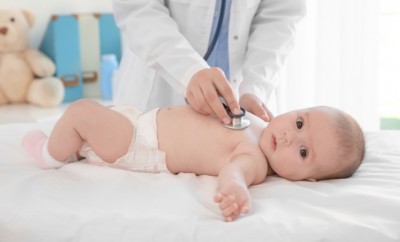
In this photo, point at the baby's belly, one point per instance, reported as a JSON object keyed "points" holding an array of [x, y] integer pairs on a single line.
{"points": [[199, 159], [193, 142]]}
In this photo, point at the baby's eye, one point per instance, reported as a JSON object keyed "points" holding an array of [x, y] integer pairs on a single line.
{"points": [[303, 152], [299, 123], [12, 19]]}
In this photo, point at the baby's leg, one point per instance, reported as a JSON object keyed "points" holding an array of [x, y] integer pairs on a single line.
{"points": [[108, 132]]}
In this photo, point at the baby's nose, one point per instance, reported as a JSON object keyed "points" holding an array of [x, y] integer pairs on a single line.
{"points": [[288, 137]]}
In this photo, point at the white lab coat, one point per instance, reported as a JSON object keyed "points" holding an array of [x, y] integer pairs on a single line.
{"points": [[163, 47]]}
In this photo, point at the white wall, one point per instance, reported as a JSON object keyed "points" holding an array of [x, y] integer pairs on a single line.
{"points": [[43, 9]]}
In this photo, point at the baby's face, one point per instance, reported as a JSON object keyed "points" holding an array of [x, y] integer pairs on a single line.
{"points": [[301, 145]]}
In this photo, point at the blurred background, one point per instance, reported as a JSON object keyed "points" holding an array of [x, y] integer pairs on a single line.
{"points": [[347, 55]]}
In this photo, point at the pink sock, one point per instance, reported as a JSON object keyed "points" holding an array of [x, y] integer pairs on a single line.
{"points": [[35, 143]]}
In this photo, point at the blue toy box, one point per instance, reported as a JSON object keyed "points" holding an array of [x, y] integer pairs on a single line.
{"points": [[63, 43]]}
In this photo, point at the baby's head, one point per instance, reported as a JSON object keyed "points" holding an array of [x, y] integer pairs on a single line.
{"points": [[313, 144]]}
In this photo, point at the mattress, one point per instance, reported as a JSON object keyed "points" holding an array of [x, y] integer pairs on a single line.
{"points": [[82, 202]]}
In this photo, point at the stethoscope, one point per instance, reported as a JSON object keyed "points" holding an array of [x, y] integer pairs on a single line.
{"points": [[217, 30], [238, 120]]}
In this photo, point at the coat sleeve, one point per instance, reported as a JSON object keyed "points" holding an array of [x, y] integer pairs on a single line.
{"points": [[271, 39], [153, 36]]}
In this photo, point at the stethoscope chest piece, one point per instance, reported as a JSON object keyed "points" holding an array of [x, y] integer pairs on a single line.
{"points": [[242, 124], [238, 120]]}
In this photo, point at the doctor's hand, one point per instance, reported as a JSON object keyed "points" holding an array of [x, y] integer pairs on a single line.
{"points": [[204, 90], [255, 106]]}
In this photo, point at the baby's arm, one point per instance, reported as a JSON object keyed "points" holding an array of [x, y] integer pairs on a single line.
{"points": [[233, 195]]}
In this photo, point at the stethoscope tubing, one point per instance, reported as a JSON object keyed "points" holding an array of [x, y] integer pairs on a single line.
{"points": [[238, 120], [217, 31]]}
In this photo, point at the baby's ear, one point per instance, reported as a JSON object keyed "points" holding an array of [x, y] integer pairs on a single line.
{"points": [[311, 180]]}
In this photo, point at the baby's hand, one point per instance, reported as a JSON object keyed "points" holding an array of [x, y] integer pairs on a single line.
{"points": [[233, 199]]}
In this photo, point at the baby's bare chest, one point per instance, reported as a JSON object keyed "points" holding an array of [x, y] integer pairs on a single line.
{"points": [[203, 152], [197, 143]]}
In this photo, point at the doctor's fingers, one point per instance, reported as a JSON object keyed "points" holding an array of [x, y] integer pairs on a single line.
{"points": [[270, 115], [196, 99], [214, 79], [256, 107], [260, 111], [225, 90], [214, 102]]}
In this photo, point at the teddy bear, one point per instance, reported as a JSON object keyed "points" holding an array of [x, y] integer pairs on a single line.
{"points": [[26, 74]]}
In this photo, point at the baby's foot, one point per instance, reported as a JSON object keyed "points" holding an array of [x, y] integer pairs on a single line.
{"points": [[34, 142]]}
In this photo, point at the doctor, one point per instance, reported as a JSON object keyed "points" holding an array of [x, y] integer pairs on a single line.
{"points": [[165, 43]]}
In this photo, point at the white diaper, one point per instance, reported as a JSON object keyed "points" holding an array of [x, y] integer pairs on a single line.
{"points": [[143, 154]]}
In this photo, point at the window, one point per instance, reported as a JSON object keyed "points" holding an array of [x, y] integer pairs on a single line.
{"points": [[389, 65]]}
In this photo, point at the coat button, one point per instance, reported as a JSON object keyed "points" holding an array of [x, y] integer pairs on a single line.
{"points": [[235, 37]]}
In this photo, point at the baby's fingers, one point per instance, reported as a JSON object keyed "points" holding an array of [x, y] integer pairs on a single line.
{"points": [[245, 208], [244, 201], [230, 210], [232, 216], [218, 197], [227, 202]]}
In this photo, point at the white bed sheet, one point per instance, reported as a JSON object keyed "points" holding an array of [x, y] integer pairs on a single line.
{"points": [[81, 202]]}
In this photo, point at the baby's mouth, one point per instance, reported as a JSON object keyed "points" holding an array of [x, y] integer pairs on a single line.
{"points": [[273, 142]]}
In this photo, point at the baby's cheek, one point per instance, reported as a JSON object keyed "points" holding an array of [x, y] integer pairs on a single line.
{"points": [[263, 144]]}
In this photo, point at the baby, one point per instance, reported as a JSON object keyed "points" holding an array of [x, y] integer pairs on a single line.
{"points": [[309, 144]]}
